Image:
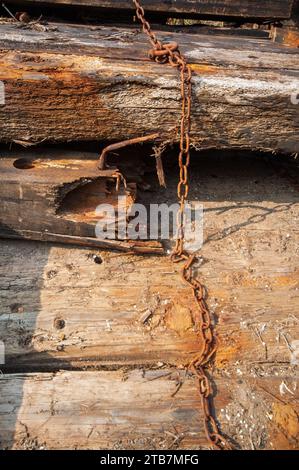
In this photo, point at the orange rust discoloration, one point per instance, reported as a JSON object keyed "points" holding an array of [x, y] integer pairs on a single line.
{"points": [[81, 203], [291, 280], [46, 66], [204, 69], [228, 353], [286, 418]]}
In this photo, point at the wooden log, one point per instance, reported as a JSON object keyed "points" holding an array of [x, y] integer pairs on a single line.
{"points": [[253, 9], [109, 316], [140, 410], [86, 83]]}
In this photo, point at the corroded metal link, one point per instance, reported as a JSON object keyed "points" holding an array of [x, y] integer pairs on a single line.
{"points": [[169, 53], [165, 53]]}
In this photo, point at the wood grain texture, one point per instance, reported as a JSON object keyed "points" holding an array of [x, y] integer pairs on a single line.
{"points": [[233, 8], [86, 83], [54, 195], [137, 410]]}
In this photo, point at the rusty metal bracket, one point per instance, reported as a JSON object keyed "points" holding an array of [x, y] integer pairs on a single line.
{"points": [[122, 144]]}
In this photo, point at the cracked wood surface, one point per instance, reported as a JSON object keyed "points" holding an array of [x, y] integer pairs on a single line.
{"points": [[131, 317], [86, 83]]}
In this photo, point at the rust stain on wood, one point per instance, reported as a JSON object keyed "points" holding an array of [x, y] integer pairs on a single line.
{"points": [[286, 417]]}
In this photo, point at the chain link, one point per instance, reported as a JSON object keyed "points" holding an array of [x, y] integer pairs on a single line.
{"points": [[169, 53]]}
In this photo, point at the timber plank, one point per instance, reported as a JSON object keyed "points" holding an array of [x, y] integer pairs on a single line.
{"points": [[84, 83], [258, 9], [137, 410]]}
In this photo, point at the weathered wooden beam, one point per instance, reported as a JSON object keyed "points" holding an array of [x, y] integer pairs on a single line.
{"points": [[141, 409], [295, 12], [255, 9], [96, 83], [53, 196], [130, 310]]}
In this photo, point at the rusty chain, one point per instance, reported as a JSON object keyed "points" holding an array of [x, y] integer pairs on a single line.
{"points": [[169, 53]]}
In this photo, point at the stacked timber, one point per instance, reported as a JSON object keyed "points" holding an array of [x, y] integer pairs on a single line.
{"points": [[96, 342]]}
